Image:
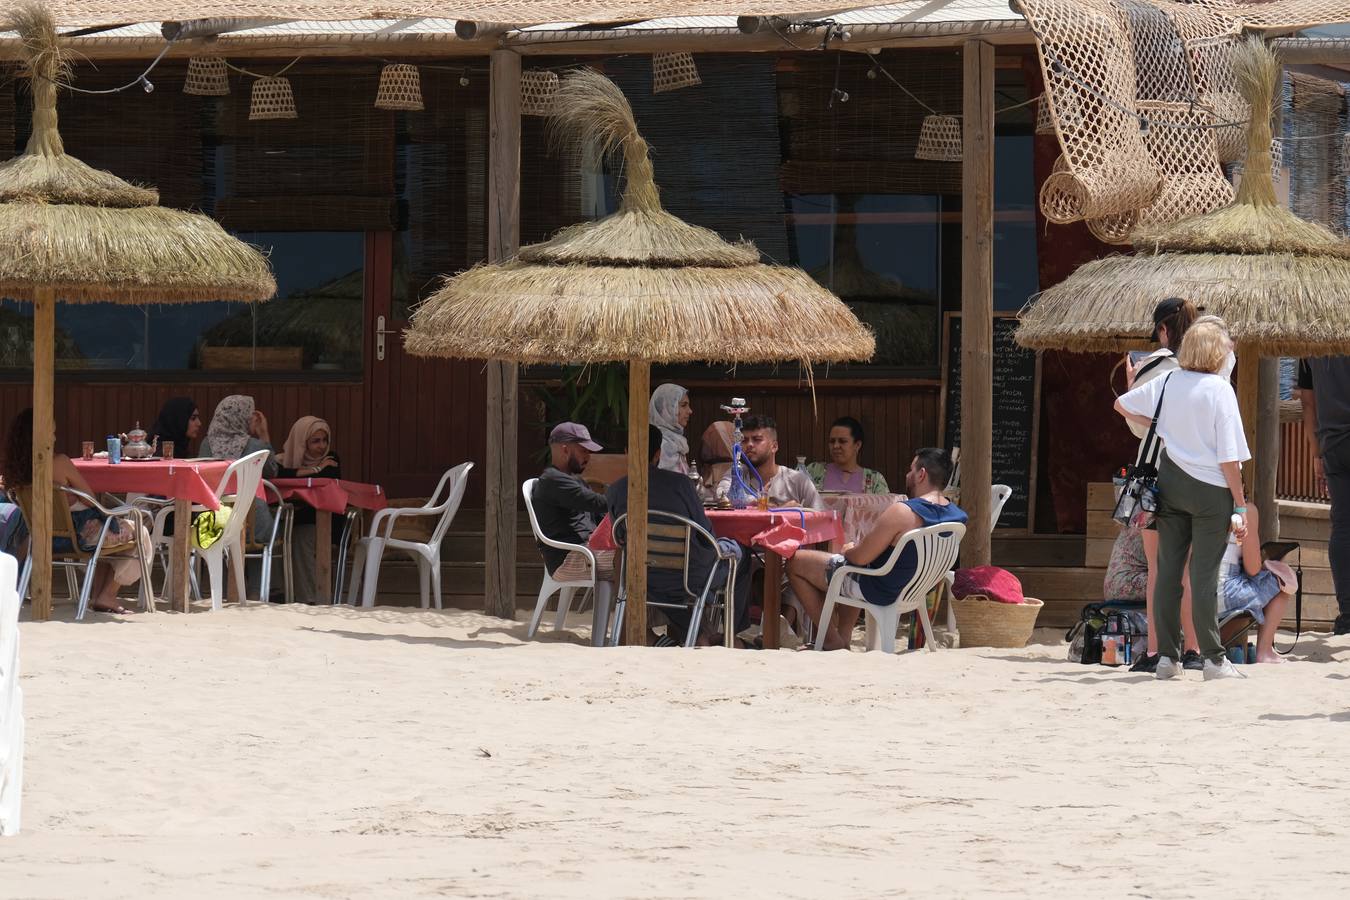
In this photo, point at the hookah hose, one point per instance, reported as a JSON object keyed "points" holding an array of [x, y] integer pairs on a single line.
{"points": [[737, 461]]}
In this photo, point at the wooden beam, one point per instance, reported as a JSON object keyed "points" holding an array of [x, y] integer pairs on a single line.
{"points": [[1248, 393], [635, 555], [977, 298], [1267, 449], [499, 588], [44, 433]]}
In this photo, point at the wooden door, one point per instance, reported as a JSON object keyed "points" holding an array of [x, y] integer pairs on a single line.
{"points": [[423, 415]]}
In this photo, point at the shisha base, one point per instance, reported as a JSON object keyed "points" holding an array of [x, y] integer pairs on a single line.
{"points": [[740, 493]]}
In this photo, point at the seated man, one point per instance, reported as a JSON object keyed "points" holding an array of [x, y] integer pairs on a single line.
{"points": [[786, 487], [673, 492], [567, 509], [810, 570]]}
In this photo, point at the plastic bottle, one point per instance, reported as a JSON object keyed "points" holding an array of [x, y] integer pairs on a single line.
{"points": [[801, 465], [114, 449]]}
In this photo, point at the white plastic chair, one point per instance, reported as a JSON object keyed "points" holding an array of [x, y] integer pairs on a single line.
{"points": [[11, 699], [566, 590], [937, 547], [444, 503], [999, 496], [247, 473]]}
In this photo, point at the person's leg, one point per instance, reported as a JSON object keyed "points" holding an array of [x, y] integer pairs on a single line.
{"points": [[806, 573], [103, 592], [1337, 463], [1188, 640], [1174, 543], [1150, 537], [1265, 634], [1211, 513]]}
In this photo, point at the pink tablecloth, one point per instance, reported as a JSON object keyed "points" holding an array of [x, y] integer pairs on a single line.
{"points": [[753, 528], [859, 511], [332, 494], [176, 478]]}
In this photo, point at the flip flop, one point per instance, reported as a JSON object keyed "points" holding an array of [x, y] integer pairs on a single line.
{"points": [[117, 610]]}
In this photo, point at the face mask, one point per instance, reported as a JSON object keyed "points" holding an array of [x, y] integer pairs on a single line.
{"points": [[1226, 372]]}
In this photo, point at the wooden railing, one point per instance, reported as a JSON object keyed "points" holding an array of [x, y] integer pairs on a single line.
{"points": [[1295, 479]]}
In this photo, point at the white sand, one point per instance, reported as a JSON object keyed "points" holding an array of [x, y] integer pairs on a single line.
{"points": [[273, 752]]}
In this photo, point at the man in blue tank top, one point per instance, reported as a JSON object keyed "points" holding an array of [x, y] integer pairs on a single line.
{"points": [[810, 570]]}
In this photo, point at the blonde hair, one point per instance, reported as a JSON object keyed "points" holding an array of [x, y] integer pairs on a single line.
{"points": [[1205, 346]]}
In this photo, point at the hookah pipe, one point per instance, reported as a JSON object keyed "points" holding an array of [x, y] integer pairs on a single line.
{"points": [[738, 408]]}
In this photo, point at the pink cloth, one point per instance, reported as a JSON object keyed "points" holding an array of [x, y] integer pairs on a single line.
{"points": [[332, 495], [859, 511], [754, 528], [176, 478]]}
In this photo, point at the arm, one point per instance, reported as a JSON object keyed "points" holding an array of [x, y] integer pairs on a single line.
{"points": [[65, 473], [810, 496], [894, 522], [1232, 473], [1252, 562], [1145, 421], [1310, 433], [572, 493]]}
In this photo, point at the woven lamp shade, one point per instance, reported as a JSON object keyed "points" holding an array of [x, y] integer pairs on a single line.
{"points": [[537, 89], [272, 99], [400, 88], [939, 139], [671, 71], [207, 77]]}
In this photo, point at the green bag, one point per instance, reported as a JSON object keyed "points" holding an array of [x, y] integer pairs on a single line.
{"points": [[209, 526]]}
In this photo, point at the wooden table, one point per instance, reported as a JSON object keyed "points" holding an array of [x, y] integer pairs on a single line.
{"points": [[185, 482], [328, 496]]}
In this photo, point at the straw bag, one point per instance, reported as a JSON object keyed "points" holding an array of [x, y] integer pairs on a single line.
{"points": [[990, 623]]}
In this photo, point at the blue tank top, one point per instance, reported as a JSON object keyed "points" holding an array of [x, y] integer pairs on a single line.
{"points": [[882, 589]]}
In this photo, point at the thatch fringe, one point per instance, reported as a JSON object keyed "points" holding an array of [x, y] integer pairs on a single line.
{"points": [[1258, 76]]}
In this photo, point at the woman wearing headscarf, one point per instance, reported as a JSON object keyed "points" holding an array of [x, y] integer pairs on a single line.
{"points": [[238, 429], [669, 411], [715, 450], [307, 453], [178, 422]]}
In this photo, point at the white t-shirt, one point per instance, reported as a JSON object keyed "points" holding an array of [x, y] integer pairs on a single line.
{"points": [[1199, 422]]}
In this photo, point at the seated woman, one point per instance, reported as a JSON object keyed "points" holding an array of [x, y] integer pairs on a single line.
{"points": [[715, 451], [842, 472], [307, 454], [238, 429], [669, 411], [1248, 584], [1127, 570], [178, 423], [114, 571]]}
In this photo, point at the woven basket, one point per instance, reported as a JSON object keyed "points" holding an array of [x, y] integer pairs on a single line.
{"points": [[988, 623]]}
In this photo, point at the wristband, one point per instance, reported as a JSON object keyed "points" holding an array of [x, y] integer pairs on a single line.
{"points": [[1239, 509]]}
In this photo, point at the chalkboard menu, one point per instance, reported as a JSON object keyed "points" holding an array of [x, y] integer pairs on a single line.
{"points": [[1016, 390]]}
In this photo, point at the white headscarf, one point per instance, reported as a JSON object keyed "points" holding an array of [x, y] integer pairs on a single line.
{"points": [[664, 412]]}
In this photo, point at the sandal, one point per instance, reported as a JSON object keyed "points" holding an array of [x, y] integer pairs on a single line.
{"points": [[115, 609]]}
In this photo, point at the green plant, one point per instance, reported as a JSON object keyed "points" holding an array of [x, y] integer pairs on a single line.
{"points": [[595, 396]]}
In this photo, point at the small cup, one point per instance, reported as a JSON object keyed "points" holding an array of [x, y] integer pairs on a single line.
{"points": [[763, 502], [87, 450], [166, 449]]}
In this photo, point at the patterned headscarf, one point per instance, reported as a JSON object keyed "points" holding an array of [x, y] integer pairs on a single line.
{"points": [[664, 412], [295, 453], [228, 432]]}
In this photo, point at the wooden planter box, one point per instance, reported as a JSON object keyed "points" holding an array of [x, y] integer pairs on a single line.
{"points": [[272, 358]]}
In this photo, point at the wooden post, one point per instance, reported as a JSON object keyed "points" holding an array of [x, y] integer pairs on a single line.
{"points": [[977, 298], [1248, 391], [44, 433], [635, 557], [499, 584], [1267, 449]]}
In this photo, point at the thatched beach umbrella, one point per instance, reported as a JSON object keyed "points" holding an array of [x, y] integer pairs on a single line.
{"points": [[74, 233], [639, 286]]}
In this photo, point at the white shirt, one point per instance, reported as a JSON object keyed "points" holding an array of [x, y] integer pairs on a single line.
{"points": [[787, 487], [1199, 422]]}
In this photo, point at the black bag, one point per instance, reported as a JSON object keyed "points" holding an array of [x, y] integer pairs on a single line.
{"points": [[1137, 484]]}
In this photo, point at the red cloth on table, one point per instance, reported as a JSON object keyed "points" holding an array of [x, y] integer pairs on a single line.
{"points": [[175, 478], [753, 528], [332, 495]]}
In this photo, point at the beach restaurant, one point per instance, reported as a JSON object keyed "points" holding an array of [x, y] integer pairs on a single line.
{"points": [[372, 157]]}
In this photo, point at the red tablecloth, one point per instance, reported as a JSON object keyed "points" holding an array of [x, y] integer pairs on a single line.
{"points": [[176, 478], [752, 528], [332, 495], [859, 511]]}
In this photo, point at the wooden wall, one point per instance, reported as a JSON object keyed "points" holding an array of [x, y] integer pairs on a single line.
{"points": [[1295, 480]]}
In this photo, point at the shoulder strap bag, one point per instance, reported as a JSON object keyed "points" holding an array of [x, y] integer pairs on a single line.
{"points": [[1137, 484]]}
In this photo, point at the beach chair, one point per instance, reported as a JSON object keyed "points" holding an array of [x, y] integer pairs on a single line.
{"points": [[670, 538], [246, 473], [937, 547], [566, 590], [441, 507], [76, 558]]}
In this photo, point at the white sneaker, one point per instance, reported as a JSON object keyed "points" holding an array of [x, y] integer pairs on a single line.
{"points": [[1168, 669], [1224, 668]]}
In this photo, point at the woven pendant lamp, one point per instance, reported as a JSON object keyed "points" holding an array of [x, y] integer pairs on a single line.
{"points": [[537, 88], [272, 99], [939, 139], [671, 71], [400, 88], [207, 77]]}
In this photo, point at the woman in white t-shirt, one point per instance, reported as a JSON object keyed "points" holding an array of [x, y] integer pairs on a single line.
{"points": [[1199, 488]]}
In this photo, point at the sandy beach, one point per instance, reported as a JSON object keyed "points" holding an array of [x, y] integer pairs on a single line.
{"points": [[335, 753]]}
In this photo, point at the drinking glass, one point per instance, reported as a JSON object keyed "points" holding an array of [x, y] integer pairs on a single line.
{"points": [[166, 449], [87, 450]]}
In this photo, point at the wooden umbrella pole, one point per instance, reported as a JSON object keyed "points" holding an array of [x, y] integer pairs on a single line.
{"points": [[44, 433], [635, 558], [1248, 395]]}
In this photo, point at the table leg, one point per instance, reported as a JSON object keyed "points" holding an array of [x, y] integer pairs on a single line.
{"points": [[323, 555], [773, 599], [178, 556]]}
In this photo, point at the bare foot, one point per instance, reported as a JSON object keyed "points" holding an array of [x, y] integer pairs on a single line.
{"points": [[1271, 657], [114, 607]]}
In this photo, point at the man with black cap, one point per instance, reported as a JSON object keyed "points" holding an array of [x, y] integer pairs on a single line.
{"points": [[1324, 387], [567, 509]]}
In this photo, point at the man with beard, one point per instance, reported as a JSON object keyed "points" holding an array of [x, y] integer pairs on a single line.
{"points": [[785, 487], [567, 509], [810, 570]]}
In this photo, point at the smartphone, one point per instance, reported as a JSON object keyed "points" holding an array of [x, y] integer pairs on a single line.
{"points": [[1137, 356]]}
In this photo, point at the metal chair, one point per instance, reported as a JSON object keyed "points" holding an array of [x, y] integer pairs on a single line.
{"points": [[669, 541], [443, 505], [936, 547], [566, 590], [267, 550], [246, 473]]}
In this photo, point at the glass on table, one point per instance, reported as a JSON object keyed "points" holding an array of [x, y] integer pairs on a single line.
{"points": [[166, 449], [87, 450]]}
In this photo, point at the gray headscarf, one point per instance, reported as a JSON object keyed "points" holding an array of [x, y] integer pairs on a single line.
{"points": [[228, 433], [664, 412]]}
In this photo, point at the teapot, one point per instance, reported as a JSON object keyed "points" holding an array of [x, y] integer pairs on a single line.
{"points": [[135, 446]]}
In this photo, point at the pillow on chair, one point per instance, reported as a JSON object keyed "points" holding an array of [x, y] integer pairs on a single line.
{"points": [[991, 581]]}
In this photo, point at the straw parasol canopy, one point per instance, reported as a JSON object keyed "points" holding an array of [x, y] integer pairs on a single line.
{"points": [[71, 232], [1281, 283], [639, 286]]}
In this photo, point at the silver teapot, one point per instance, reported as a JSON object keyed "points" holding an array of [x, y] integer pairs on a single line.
{"points": [[135, 446]]}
